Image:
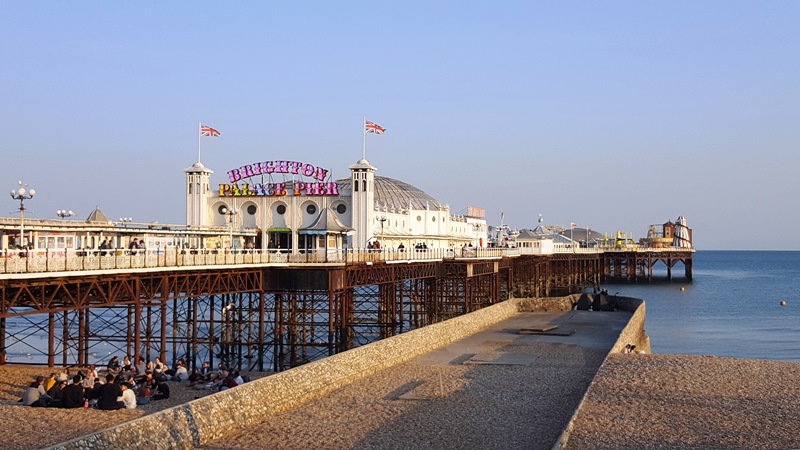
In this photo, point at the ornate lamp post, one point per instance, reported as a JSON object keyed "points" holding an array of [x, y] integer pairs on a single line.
{"points": [[22, 194], [125, 221], [230, 213], [478, 229], [383, 220], [63, 213]]}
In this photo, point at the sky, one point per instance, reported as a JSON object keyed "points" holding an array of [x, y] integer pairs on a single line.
{"points": [[610, 115]]}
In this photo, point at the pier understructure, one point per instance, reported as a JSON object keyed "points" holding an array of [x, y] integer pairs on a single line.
{"points": [[638, 264], [257, 318]]}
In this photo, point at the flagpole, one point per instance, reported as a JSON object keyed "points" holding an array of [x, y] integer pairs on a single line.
{"points": [[364, 142], [199, 127]]}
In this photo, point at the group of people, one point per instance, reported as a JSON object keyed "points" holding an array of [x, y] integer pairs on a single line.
{"points": [[419, 247], [125, 385], [136, 245], [217, 380], [63, 391]]}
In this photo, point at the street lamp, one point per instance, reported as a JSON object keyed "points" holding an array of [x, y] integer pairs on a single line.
{"points": [[382, 220], [63, 213], [125, 221], [478, 228], [230, 213], [22, 194]]}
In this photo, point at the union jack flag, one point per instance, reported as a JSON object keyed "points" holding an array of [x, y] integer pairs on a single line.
{"points": [[208, 131], [374, 128]]}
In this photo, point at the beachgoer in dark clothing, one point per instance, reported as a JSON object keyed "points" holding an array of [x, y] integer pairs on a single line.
{"points": [[109, 393], [72, 397], [162, 392], [56, 394]]}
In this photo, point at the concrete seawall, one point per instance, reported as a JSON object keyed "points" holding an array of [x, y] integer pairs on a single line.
{"points": [[208, 419]]}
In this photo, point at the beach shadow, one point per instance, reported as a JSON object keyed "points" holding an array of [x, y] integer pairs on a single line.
{"points": [[404, 389]]}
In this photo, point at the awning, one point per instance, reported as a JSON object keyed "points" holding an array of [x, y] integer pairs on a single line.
{"points": [[325, 223]]}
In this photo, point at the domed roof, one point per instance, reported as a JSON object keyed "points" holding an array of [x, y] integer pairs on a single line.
{"points": [[395, 194]]}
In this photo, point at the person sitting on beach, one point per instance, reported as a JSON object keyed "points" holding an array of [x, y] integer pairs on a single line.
{"points": [[238, 378], [143, 394], [195, 377], [63, 376], [91, 376], [128, 397], [113, 366], [227, 383], [161, 392], [56, 394], [218, 379], [181, 374], [72, 396], [127, 365], [50, 382], [140, 368], [159, 369], [205, 369], [131, 380], [109, 393], [629, 348], [93, 393], [35, 394], [222, 371]]}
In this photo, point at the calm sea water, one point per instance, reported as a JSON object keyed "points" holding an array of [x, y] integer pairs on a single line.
{"points": [[731, 308]]}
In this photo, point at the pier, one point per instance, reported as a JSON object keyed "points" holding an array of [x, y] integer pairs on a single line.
{"points": [[267, 310], [637, 263]]}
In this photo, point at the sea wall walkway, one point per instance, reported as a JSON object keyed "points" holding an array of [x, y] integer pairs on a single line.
{"points": [[495, 389]]}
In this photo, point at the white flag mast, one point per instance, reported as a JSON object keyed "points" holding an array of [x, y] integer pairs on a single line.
{"points": [[364, 144], [199, 135]]}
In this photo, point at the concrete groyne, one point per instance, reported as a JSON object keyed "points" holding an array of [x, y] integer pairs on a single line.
{"points": [[633, 333], [211, 418]]}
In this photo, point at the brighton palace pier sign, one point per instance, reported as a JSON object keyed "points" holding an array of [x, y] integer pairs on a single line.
{"points": [[308, 187]]}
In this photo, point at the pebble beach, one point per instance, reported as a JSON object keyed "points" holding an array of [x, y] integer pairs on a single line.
{"points": [[24, 427], [690, 402], [637, 401]]}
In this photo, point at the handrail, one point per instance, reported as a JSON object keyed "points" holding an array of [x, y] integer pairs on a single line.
{"points": [[74, 260]]}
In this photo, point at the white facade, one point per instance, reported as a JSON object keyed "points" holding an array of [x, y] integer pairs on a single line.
{"points": [[304, 212]]}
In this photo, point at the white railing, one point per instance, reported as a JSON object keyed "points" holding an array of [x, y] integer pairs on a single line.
{"points": [[71, 260]]}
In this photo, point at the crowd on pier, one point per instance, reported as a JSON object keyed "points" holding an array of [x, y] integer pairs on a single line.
{"points": [[123, 385]]}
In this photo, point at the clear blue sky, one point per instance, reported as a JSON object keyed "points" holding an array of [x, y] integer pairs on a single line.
{"points": [[610, 115]]}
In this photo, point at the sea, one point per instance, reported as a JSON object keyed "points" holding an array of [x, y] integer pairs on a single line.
{"points": [[732, 306]]}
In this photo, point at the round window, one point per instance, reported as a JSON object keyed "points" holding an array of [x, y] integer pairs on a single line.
{"points": [[341, 208], [433, 219], [281, 209], [311, 209], [419, 218], [251, 210]]}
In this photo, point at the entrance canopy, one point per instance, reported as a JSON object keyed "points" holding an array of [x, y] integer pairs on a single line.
{"points": [[325, 223]]}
